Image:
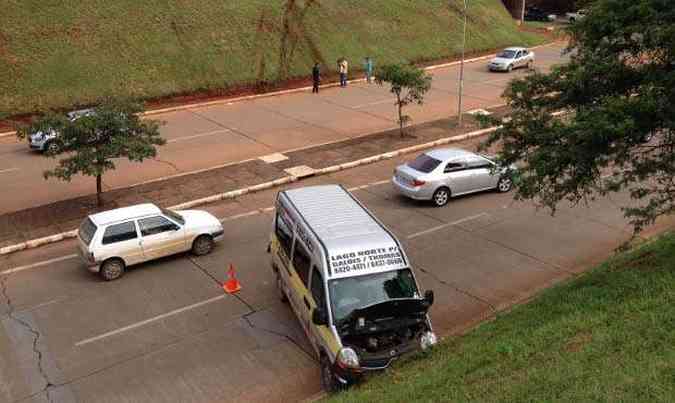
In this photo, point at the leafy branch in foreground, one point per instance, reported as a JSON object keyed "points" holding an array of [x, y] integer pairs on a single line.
{"points": [[618, 92]]}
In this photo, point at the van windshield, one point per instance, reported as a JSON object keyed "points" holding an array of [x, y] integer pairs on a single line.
{"points": [[348, 294]]}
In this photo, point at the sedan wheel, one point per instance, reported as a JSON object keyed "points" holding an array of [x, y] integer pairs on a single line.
{"points": [[203, 245], [112, 269], [509, 68], [504, 184], [441, 197]]}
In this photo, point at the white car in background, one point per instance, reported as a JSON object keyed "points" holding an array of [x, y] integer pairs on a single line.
{"points": [[512, 58], [43, 141], [576, 16], [113, 240]]}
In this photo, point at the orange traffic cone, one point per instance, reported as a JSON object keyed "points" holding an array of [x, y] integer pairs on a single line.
{"points": [[232, 284]]}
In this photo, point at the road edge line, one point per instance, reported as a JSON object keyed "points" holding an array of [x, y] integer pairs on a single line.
{"points": [[232, 194]]}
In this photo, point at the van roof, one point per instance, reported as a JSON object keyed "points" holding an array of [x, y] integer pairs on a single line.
{"points": [[343, 225], [124, 213]]}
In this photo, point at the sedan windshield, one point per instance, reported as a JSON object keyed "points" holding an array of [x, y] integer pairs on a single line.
{"points": [[174, 215], [507, 54], [424, 163], [348, 294]]}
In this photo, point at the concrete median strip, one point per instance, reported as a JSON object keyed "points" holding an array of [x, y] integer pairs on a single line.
{"points": [[34, 243]]}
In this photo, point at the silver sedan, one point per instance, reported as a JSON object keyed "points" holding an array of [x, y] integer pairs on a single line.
{"points": [[437, 175]]}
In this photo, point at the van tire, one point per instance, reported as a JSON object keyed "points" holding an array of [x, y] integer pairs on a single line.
{"points": [[328, 381], [280, 287], [112, 269], [203, 245], [441, 196]]}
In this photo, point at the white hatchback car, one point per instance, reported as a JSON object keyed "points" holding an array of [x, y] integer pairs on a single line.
{"points": [[512, 58], [113, 240]]}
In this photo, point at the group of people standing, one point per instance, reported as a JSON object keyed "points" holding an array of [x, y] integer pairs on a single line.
{"points": [[343, 69]]}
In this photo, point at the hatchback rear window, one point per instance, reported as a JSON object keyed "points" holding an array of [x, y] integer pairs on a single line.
{"points": [[424, 163], [87, 230]]}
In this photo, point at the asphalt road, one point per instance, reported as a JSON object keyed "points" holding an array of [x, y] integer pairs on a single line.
{"points": [[201, 138], [166, 332]]}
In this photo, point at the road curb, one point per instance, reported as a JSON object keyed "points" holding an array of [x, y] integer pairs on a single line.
{"points": [[34, 243], [290, 91]]}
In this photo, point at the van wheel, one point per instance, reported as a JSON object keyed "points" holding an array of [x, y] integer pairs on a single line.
{"points": [[280, 287], [504, 185], [328, 381], [441, 197], [203, 245], [112, 269]]}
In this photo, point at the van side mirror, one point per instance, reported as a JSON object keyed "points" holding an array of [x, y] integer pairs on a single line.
{"points": [[429, 297], [319, 317]]}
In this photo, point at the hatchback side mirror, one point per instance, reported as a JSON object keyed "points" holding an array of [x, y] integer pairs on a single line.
{"points": [[319, 317], [429, 297]]}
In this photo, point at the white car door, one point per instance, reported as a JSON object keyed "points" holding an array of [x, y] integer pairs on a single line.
{"points": [[481, 174], [161, 237], [457, 177]]}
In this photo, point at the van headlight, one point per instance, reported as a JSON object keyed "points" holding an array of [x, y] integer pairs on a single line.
{"points": [[427, 340], [347, 358]]}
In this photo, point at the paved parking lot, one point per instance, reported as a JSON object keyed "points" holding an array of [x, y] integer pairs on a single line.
{"points": [[166, 332]]}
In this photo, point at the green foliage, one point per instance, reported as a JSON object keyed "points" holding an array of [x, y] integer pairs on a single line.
{"points": [[618, 91], [604, 337], [89, 144], [408, 82], [57, 54]]}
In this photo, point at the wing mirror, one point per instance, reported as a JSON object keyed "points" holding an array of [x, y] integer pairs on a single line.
{"points": [[429, 297], [319, 317]]}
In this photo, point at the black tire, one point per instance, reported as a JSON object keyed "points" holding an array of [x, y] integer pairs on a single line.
{"points": [[441, 196], [509, 68], [328, 381], [51, 147], [203, 245], [572, 19], [505, 184], [112, 269], [282, 294], [647, 137]]}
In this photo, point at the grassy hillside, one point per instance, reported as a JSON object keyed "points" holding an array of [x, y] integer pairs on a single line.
{"points": [[605, 337], [60, 53]]}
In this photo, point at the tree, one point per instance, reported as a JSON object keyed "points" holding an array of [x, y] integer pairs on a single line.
{"points": [[90, 143], [618, 95], [409, 83]]}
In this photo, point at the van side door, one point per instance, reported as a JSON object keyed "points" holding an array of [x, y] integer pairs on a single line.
{"points": [[299, 282], [319, 335]]}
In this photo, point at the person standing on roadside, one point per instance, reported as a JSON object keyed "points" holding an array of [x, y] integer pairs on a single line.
{"points": [[344, 70], [368, 64], [316, 78]]}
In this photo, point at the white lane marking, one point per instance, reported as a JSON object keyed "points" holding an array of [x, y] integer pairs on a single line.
{"points": [[430, 230], [3, 171], [196, 136], [39, 264], [148, 321], [373, 103]]}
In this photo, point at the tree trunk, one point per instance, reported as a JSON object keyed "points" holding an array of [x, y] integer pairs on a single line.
{"points": [[99, 200], [400, 113]]}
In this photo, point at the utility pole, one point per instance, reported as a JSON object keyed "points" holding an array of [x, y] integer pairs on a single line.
{"points": [[522, 13], [461, 71]]}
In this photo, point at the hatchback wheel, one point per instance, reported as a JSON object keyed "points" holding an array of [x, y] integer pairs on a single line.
{"points": [[52, 147], [203, 245], [112, 269], [509, 68], [504, 184], [441, 197]]}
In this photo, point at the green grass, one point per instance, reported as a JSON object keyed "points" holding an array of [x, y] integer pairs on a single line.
{"points": [[62, 53], [606, 336]]}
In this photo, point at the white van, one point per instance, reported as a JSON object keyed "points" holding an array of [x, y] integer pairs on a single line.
{"points": [[113, 240], [348, 281]]}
